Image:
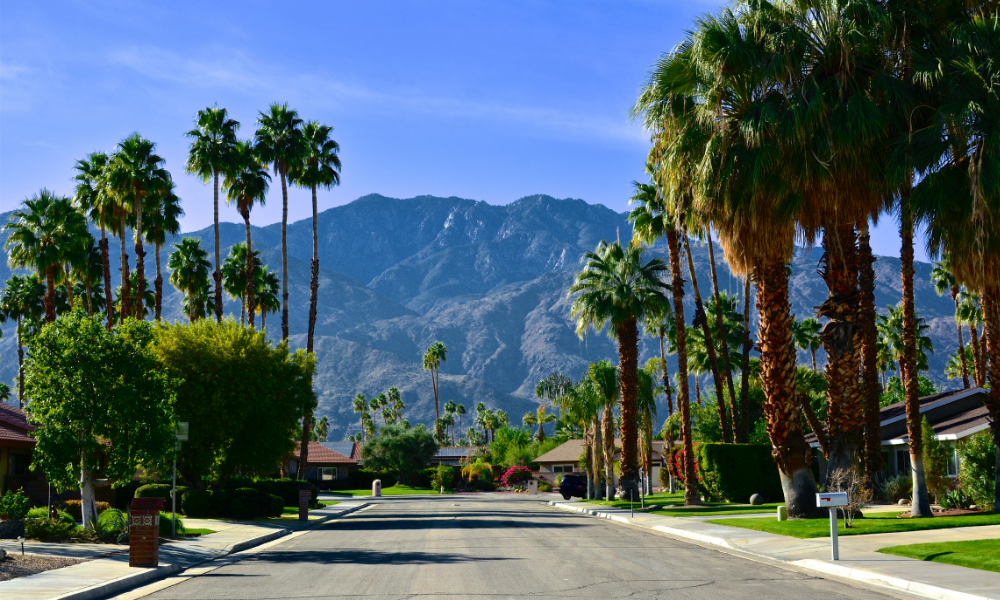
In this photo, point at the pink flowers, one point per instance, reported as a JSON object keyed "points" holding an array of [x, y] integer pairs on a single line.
{"points": [[516, 475]]}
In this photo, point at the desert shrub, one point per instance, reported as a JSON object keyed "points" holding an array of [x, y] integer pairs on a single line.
{"points": [[154, 490], [859, 494], [516, 475], [734, 472], [196, 503], [49, 529], [894, 489], [956, 499], [977, 468], [165, 520], [14, 505], [444, 477], [112, 524], [42, 512]]}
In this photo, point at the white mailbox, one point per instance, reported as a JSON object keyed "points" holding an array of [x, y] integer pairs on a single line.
{"points": [[831, 499]]}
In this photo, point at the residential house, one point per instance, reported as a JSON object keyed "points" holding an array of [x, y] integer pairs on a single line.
{"points": [[324, 463], [453, 456], [565, 458], [16, 447]]}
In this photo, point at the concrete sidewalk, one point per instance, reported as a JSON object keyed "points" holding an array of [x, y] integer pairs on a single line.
{"points": [[104, 576], [858, 559]]}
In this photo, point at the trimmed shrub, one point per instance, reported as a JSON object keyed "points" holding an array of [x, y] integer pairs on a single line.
{"points": [[48, 529], [734, 472], [277, 505], [243, 508], [444, 477], [42, 512], [196, 503], [544, 486], [74, 508], [220, 502], [977, 468], [125, 494], [165, 528], [154, 490]]}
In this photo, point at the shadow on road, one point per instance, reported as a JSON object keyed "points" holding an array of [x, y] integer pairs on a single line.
{"points": [[365, 557], [441, 521]]}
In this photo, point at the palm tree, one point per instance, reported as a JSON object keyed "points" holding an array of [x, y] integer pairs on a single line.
{"points": [[360, 405], [20, 301], [647, 416], [163, 212], [869, 354], [141, 305], [319, 167], [134, 173], [806, 335], [436, 354], [615, 289], [46, 233], [212, 142], [605, 379], [459, 410], [659, 325], [944, 280], [322, 428], [892, 328], [580, 406], [449, 409], [542, 418], [189, 266], [236, 279], [280, 143], [373, 405], [970, 312], [94, 200], [953, 368], [267, 294], [246, 181]]}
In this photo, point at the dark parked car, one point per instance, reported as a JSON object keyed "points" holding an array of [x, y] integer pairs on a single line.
{"points": [[573, 485]]}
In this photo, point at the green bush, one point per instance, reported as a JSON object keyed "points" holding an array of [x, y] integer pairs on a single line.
{"points": [[243, 508], [221, 499], [956, 499], [154, 490], [277, 505], [444, 477], [14, 505], [196, 503], [897, 488], [977, 470], [734, 472], [75, 508], [42, 512], [49, 529], [111, 524], [544, 486], [165, 520]]}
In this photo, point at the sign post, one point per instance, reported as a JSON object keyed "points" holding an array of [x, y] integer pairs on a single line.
{"points": [[182, 436], [832, 500]]}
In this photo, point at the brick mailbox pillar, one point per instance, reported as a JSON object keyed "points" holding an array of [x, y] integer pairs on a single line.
{"points": [[144, 532], [305, 495]]}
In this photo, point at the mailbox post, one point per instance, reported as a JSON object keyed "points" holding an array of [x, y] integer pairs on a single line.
{"points": [[832, 500]]}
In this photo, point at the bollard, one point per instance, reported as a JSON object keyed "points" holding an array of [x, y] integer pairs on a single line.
{"points": [[305, 495], [377, 488], [144, 532], [782, 513]]}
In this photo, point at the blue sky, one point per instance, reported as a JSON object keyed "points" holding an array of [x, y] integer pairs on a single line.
{"points": [[485, 100]]}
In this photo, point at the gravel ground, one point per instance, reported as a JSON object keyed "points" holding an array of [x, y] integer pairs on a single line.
{"points": [[15, 565]]}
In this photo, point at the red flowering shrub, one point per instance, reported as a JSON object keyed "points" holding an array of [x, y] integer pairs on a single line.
{"points": [[516, 475]]}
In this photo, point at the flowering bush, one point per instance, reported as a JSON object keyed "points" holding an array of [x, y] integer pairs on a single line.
{"points": [[516, 475]]}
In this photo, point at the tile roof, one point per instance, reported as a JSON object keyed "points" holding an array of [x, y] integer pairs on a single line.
{"points": [[570, 451], [10, 435], [14, 417], [320, 455], [349, 449]]}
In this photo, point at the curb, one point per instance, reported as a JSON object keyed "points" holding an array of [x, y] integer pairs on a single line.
{"points": [[877, 580], [134, 580]]}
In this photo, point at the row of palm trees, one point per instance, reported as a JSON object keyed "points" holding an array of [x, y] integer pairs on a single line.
{"points": [[779, 121]]}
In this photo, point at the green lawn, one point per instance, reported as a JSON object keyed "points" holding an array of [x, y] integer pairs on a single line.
{"points": [[198, 532], [709, 508], [396, 490], [975, 554], [661, 499], [294, 510], [872, 523]]}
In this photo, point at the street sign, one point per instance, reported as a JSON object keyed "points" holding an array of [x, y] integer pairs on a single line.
{"points": [[182, 431], [831, 499]]}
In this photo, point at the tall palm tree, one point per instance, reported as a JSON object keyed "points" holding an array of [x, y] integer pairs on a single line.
{"points": [[944, 281], [869, 354], [189, 266], [237, 276], [647, 417], [46, 233], [246, 182], [605, 378], [87, 273], [970, 313], [892, 327], [806, 334], [360, 406], [212, 142], [143, 305], [659, 325], [436, 354], [163, 213], [266, 294], [93, 199], [280, 143], [20, 301], [134, 173], [449, 410], [615, 289]]}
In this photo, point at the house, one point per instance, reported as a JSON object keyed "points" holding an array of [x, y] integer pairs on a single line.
{"points": [[16, 447], [954, 416], [452, 456], [565, 458], [324, 463]]}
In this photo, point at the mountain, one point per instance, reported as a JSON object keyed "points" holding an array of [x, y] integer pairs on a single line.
{"points": [[488, 281]]}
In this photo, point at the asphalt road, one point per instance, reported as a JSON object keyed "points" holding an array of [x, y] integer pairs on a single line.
{"points": [[496, 547]]}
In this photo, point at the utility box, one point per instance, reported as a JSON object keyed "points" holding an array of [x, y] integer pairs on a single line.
{"points": [[533, 487], [831, 499], [144, 532], [377, 488], [305, 495]]}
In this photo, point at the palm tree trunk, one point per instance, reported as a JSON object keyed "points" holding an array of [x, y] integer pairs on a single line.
{"points": [[713, 360], [50, 294], [158, 285], [597, 461], [251, 307], [589, 437], [697, 392], [991, 316], [109, 307], [814, 423], [813, 352], [217, 275], [683, 394], [284, 264], [866, 283], [842, 339], [720, 326], [961, 342], [125, 301], [666, 379], [69, 287], [90, 301], [20, 366], [781, 407], [140, 264], [608, 443], [628, 365], [921, 506], [745, 367], [977, 355], [314, 283]]}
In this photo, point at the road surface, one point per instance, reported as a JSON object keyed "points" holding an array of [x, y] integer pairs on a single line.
{"points": [[495, 546]]}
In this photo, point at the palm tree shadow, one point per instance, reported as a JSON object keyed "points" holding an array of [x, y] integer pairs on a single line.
{"points": [[365, 557], [931, 557]]}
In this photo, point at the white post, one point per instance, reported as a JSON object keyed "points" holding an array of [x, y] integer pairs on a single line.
{"points": [[173, 497], [833, 533]]}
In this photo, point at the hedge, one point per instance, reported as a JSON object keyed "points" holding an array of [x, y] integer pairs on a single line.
{"points": [[734, 472], [197, 503]]}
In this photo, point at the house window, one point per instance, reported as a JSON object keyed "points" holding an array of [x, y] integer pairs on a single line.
{"points": [[902, 462], [562, 469], [19, 464], [953, 462], [327, 473]]}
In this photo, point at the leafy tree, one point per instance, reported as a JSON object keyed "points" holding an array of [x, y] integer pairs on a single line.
{"points": [[895, 392], [400, 450], [246, 185], [46, 232], [436, 354], [210, 154], [21, 301], [189, 265], [280, 143], [88, 386], [243, 397]]}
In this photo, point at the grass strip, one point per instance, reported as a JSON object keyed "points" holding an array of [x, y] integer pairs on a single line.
{"points": [[872, 523], [975, 554]]}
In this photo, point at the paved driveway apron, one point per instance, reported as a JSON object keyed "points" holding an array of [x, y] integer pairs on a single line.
{"points": [[495, 546]]}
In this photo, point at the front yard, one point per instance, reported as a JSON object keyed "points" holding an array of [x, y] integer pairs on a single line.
{"points": [[707, 509], [872, 523], [975, 554], [396, 490]]}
